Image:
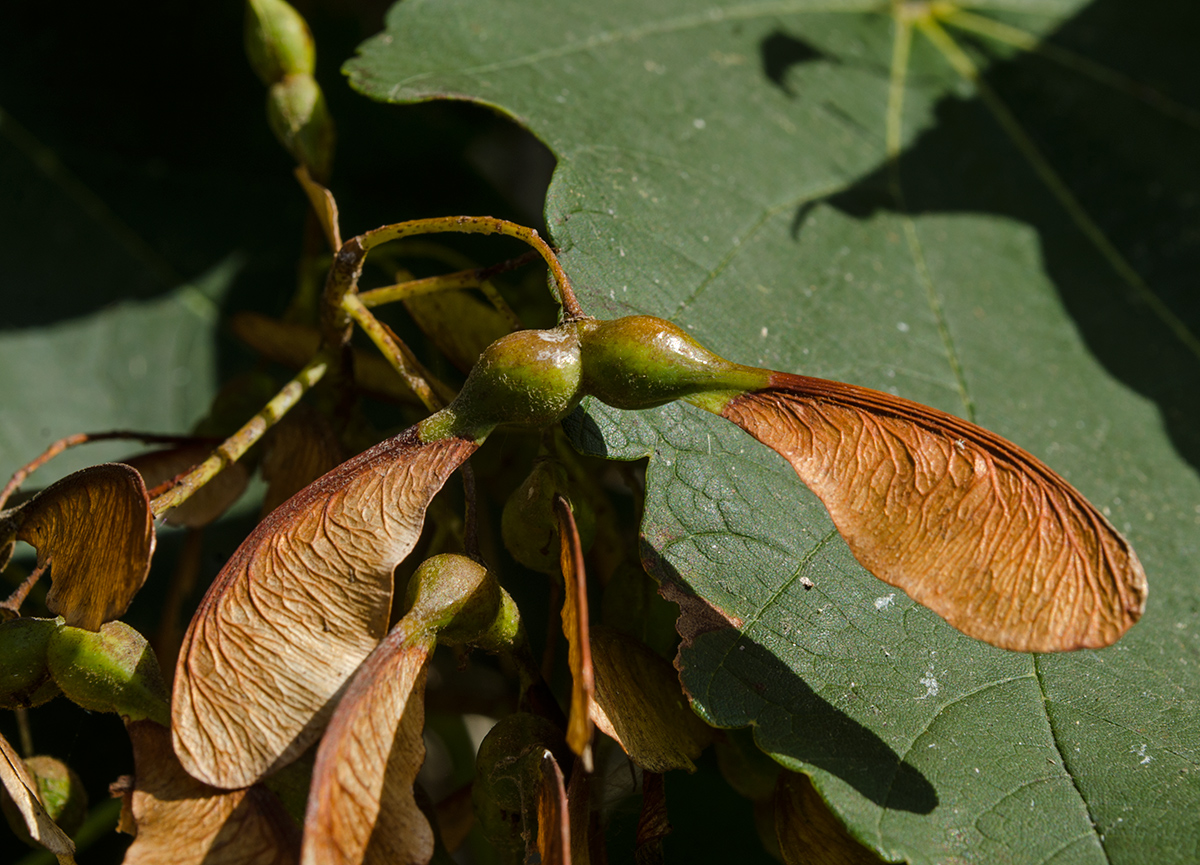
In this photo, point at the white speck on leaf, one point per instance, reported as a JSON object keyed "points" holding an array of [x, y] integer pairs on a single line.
{"points": [[1140, 750], [885, 602], [764, 333], [930, 683], [698, 123], [902, 326]]}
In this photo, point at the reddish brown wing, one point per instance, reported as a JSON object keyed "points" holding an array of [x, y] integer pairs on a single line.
{"points": [[297, 608], [96, 530], [965, 522], [361, 807]]}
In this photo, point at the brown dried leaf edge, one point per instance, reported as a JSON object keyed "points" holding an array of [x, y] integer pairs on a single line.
{"points": [[297, 608], [361, 807], [20, 786], [95, 529], [184, 822], [965, 522]]}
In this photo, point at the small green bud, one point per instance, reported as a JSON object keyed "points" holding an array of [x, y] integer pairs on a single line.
{"points": [[454, 596], [24, 678], [278, 41], [641, 362], [110, 670], [530, 378], [508, 777], [298, 116], [529, 526], [61, 792]]}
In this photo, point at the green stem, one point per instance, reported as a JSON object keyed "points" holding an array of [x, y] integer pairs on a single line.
{"points": [[402, 360], [483, 225], [232, 449], [474, 277], [20, 475]]}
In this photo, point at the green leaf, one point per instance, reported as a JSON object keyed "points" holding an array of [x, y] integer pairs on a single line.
{"points": [[727, 166]]}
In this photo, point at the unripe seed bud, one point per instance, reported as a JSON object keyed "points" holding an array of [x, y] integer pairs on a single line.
{"points": [[641, 362], [278, 41], [530, 377], [298, 116], [61, 792], [110, 670], [529, 526], [24, 678], [507, 779], [454, 596]]}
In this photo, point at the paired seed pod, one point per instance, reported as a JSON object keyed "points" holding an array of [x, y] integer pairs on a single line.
{"points": [[965, 522]]}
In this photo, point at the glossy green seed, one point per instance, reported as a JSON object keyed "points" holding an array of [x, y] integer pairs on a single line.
{"points": [[278, 41], [641, 362], [110, 670]]}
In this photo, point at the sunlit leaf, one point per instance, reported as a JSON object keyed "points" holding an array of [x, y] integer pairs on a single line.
{"points": [[22, 789], [640, 704], [95, 530], [183, 821], [965, 522], [361, 807], [754, 173], [298, 607]]}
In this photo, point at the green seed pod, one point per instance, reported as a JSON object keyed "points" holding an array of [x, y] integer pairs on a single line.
{"points": [[529, 526], [278, 41], [24, 678], [454, 596], [110, 670], [61, 792], [507, 779], [641, 362], [530, 378], [298, 116]]}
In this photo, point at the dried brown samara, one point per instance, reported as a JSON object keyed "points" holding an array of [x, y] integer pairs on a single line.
{"points": [[297, 608], [964, 521]]}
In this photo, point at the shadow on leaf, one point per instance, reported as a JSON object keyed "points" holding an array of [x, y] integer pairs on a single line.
{"points": [[781, 51], [1129, 165], [734, 677]]}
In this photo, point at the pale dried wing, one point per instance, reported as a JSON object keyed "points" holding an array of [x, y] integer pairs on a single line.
{"points": [[460, 324], [361, 807], [808, 832], [209, 501], [22, 790], [640, 704], [298, 607], [577, 629], [95, 529], [185, 822], [300, 449], [965, 522]]}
